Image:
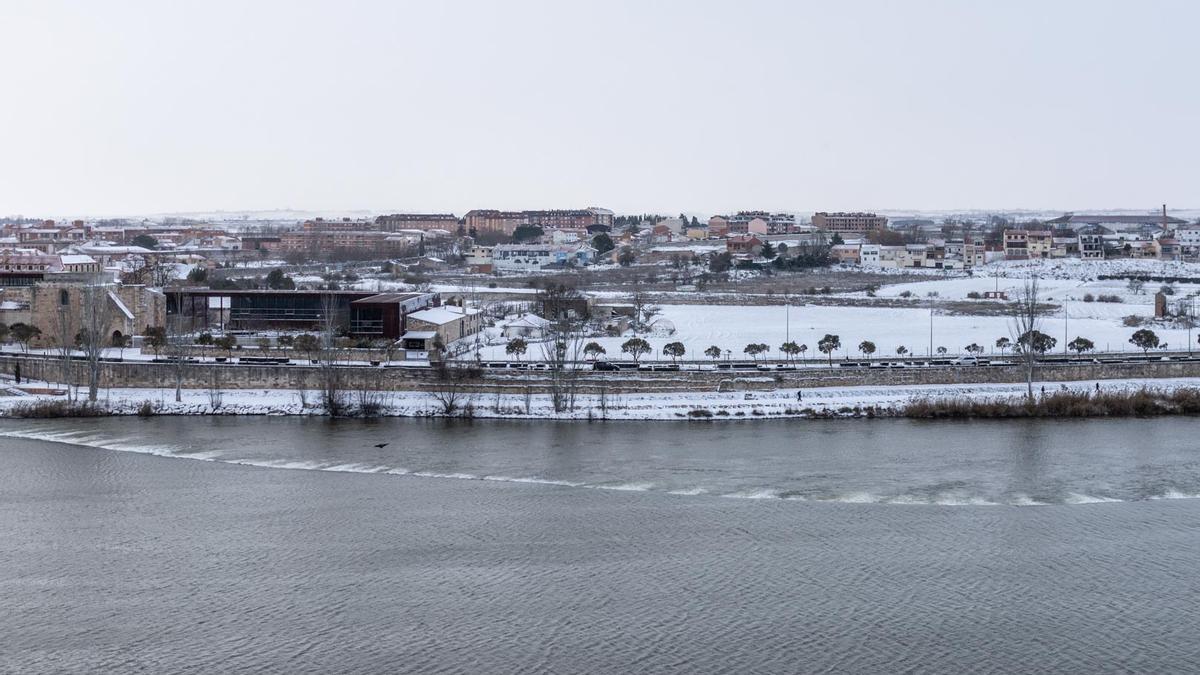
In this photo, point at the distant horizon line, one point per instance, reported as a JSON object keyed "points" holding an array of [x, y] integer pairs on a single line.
{"points": [[368, 211]]}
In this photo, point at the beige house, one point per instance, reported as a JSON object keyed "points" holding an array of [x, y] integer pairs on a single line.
{"points": [[430, 331]]}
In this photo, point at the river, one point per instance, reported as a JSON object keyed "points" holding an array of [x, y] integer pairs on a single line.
{"points": [[287, 545]]}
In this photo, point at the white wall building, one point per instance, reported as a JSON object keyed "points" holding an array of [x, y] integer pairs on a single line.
{"points": [[534, 257]]}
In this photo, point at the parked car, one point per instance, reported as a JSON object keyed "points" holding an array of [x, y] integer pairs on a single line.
{"points": [[604, 365]]}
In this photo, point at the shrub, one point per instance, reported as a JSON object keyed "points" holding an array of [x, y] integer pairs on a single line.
{"points": [[55, 408], [700, 413], [975, 295], [1141, 402], [146, 409], [1088, 297], [1109, 298], [906, 294]]}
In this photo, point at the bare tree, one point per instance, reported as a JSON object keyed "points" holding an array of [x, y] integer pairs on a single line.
{"points": [[1026, 320], [177, 361], [332, 394], [563, 348], [65, 340], [95, 318], [216, 394], [372, 397], [644, 311], [452, 388], [300, 384]]}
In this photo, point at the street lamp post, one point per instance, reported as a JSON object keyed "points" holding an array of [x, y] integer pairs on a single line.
{"points": [[1190, 313], [930, 328]]}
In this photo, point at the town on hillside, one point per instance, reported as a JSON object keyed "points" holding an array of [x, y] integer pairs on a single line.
{"points": [[588, 288]]}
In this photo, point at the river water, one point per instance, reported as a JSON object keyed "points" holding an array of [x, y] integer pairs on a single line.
{"points": [[286, 545]]}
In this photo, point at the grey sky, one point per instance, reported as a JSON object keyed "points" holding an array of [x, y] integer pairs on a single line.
{"points": [[126, 107]]}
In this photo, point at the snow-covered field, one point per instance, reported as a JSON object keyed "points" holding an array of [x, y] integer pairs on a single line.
{"points": [[732, 327], [661, 406], [1063, 282]]}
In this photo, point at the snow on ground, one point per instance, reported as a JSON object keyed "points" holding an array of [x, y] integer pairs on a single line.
{"points": [[1050, 290], [732, 327], [655, 406], [1078, 268]]}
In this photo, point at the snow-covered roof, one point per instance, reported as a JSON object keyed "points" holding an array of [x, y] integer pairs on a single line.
{"points": [[106, 248], [120, 305], [77, 259], [418, 335], [528, 321], [442, 315]]}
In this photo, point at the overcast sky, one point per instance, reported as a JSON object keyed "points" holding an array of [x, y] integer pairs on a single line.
{"points": [[133, 107]]}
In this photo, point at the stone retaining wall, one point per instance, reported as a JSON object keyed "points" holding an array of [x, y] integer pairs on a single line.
{"points": [[234, 376]]}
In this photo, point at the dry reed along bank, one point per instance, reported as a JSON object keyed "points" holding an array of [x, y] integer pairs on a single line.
{"points": [[1138, 403]]}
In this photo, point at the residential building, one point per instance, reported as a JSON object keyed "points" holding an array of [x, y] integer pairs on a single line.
{"points": [[1028, 244], [718, 226], [492, 220], [893, 256], [430, 331], [479, 260], [347, 224], [319, 241], [848, 223], [754, 222], [1168, 248], [846, 253], [568, 235], [868, 255], [26, 267], [744, 244], [676, 226], [417, 221], [531, 257], [526, 326], [480, 221], [761, 222], [1188, 237], [1091, 242]]}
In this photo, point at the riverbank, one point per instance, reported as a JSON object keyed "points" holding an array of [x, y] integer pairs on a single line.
{"points": [[1061, 399]]}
